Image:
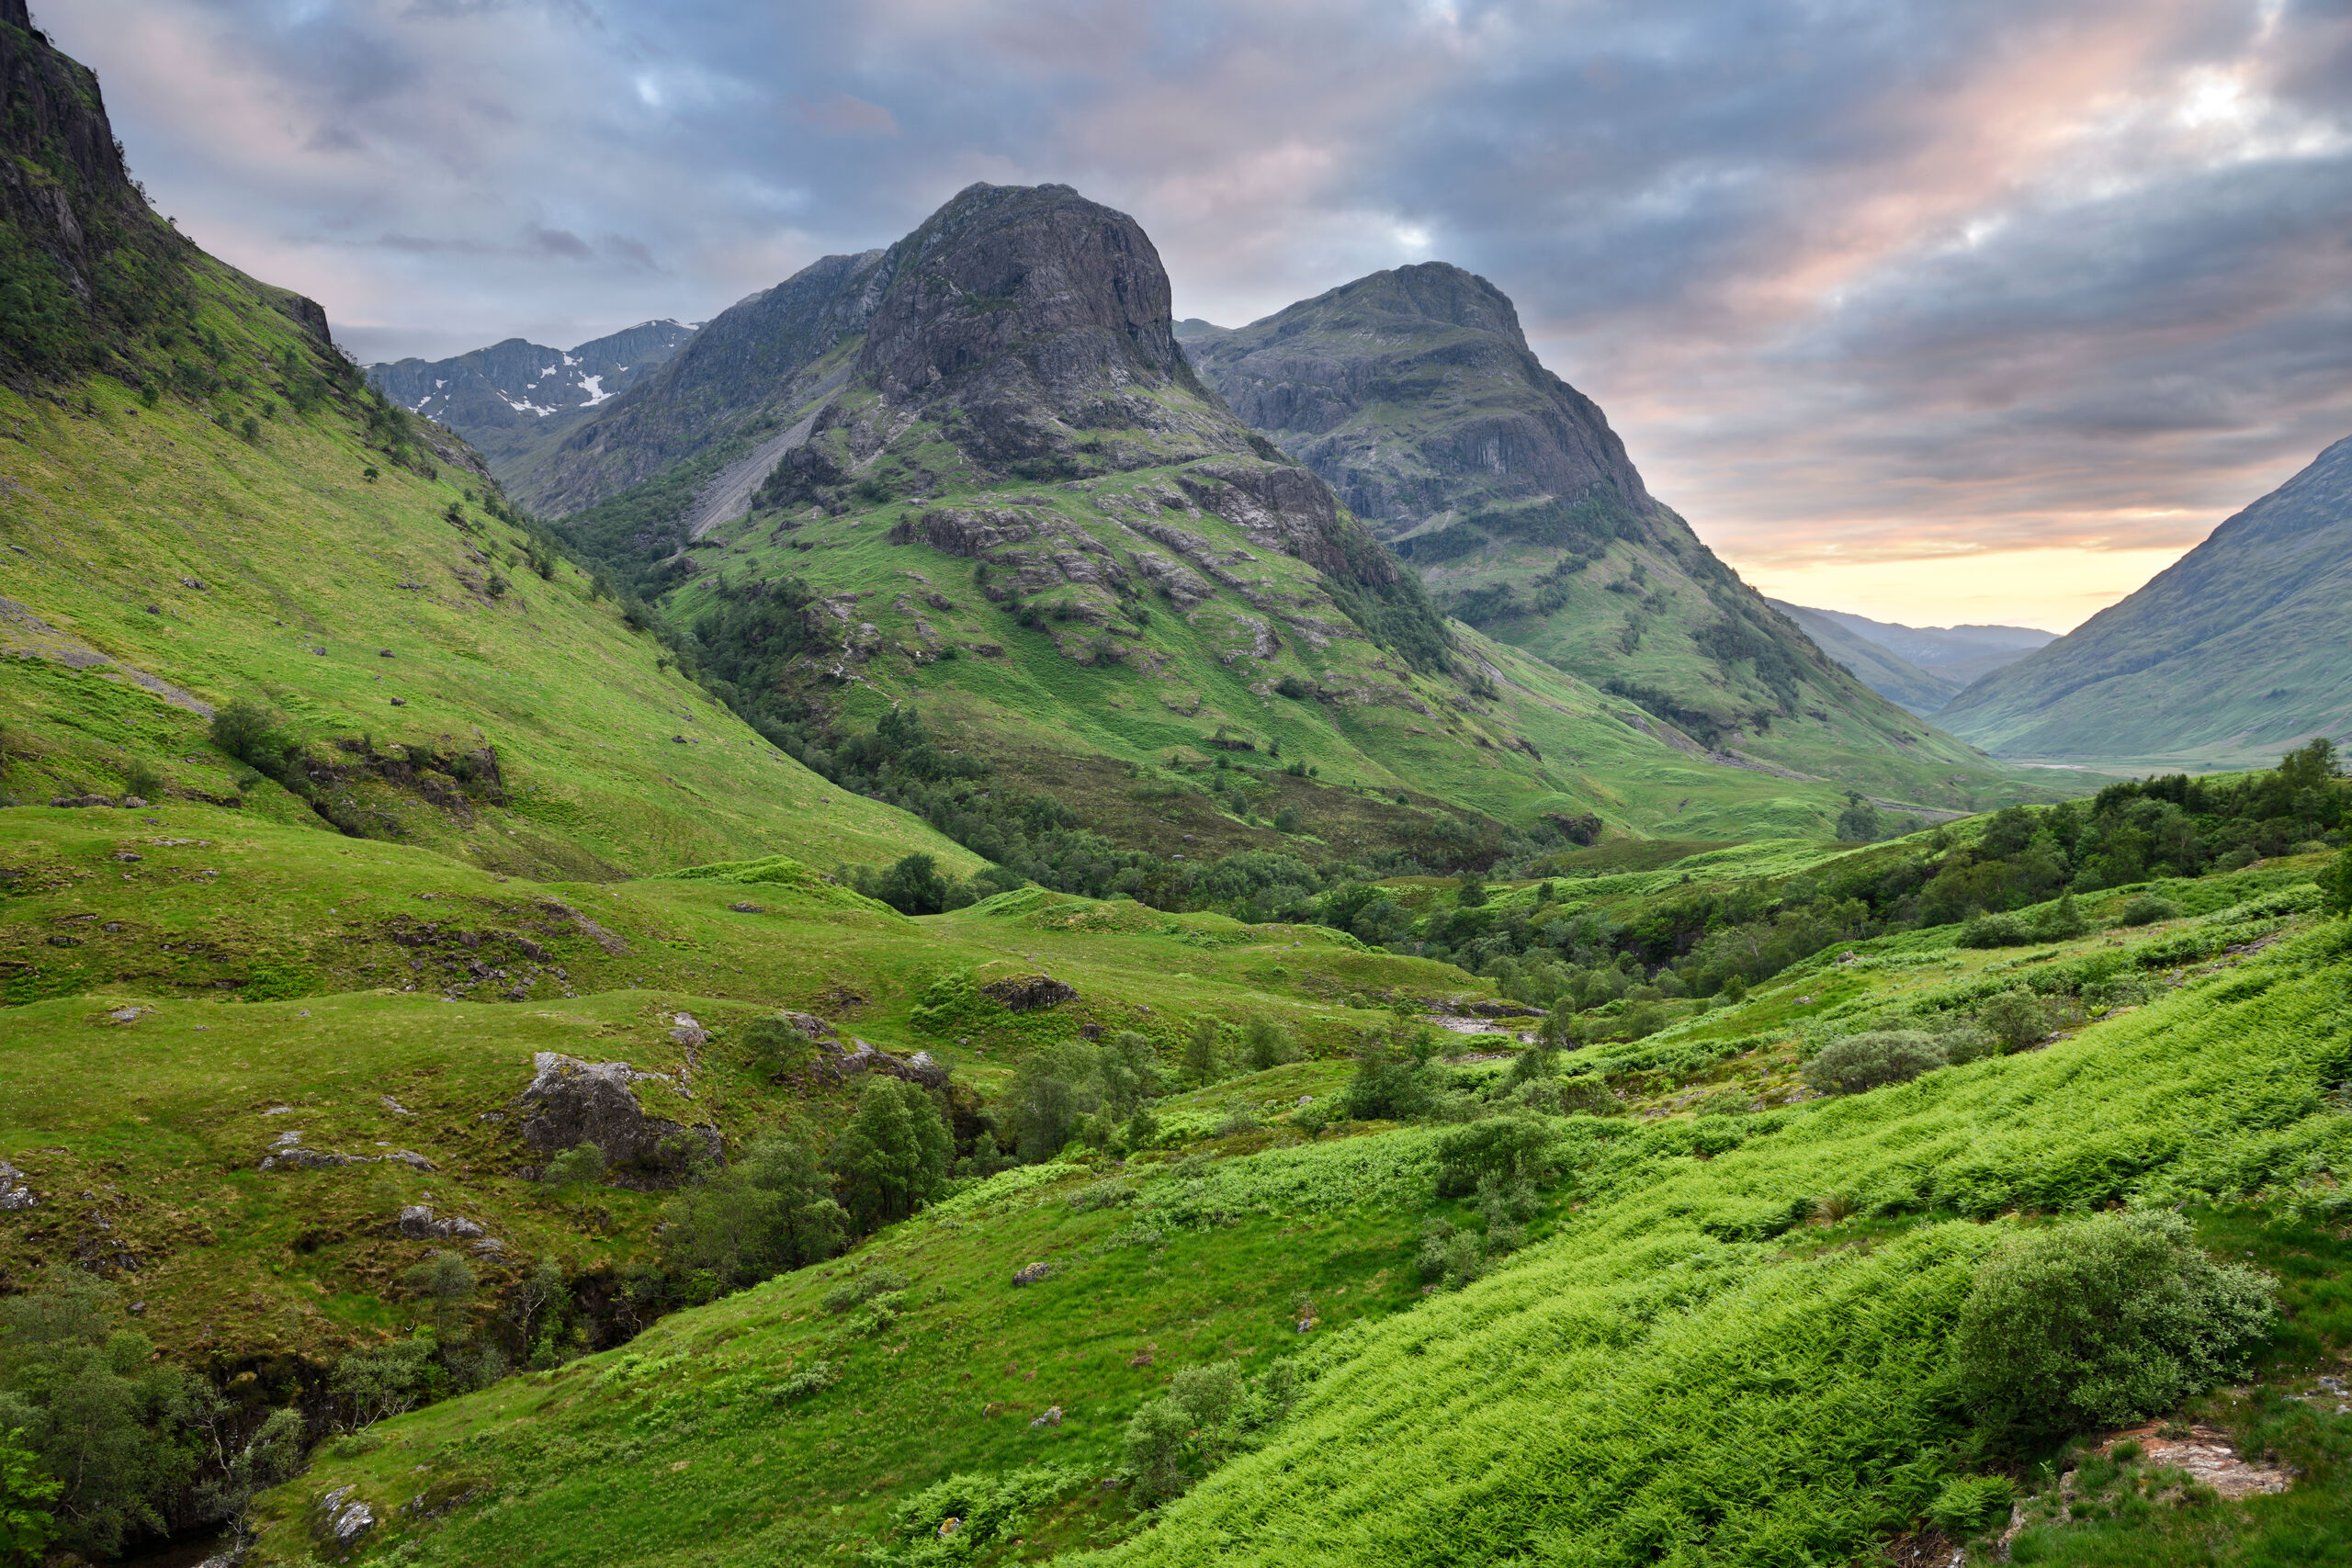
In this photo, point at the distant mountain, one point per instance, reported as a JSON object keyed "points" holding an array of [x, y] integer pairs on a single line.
{"points": [[1414, 394], [2239, 651], [1918, 668], [1879, 667], [509, 399]]}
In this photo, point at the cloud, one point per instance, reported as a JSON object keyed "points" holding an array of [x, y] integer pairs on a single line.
{"points": [[1875, 283]]}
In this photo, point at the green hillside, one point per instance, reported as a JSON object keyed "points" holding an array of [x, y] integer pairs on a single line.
{"points": [[2235, 651], [1713, 1323], [1414, 393]]}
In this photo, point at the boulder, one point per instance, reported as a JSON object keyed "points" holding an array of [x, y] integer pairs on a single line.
{"points": [[1033, 1274], [1029, 993], [417, 1224], [571, 1103]]}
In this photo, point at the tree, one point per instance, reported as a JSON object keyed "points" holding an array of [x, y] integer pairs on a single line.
{"points": [[1859, 823], [1265, 1043], [1174, 1441], [1128, 1069], [1054, 1088], [773, 1209], [2101, 1321], [27, 1526], [1860, 1063], [95, 1408], [573, 1174], [893, 1156], [1200, 1051], [1470, 892], [443, 1285]]}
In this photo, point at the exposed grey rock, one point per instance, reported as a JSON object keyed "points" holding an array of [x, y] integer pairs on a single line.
{"points": [[1052, 1418], [1029, 993], [1033, 1273], [570, 1102], [417, 1223], [16, 1190]]}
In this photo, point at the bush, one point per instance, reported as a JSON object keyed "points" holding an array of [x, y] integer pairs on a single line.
{"points": [[1860, 1063], [1172, 1442], [1265, 1043], [1997, 931], [859, 1288], [2102, 1321], [2336, 885], [1510, 1147], [2016, 1018], [771, 1211], [141, 778], [775, 1046], [2146, 910]]}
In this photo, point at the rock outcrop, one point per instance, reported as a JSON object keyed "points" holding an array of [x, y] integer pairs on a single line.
{"points": [[571, 1103]]}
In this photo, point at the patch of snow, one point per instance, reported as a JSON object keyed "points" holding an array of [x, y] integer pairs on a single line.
{"points": [[569, 361], [526, 406], [594, 387], [438, 385], [548, 371]]}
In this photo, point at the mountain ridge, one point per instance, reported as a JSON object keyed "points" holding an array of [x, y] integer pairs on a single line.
{"points": [[2235, 652]]}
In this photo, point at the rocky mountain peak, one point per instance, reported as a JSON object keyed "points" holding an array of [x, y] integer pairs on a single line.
{"points": [[1031, 281], [1429, 291]]}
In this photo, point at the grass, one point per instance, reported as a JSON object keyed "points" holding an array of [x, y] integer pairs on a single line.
{"points": [[1684, 1366], [310, 575]]}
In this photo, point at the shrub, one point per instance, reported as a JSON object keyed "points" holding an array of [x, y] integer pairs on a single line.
{"points": [[1997, 931], [775, 1046], [2336, 885], [1860, 1063], [574, 1174], [862, 1287], [893, 1156], [143, 779], [2016, 1018], [771, 1211], [1510, 1147], [2102, 1321], [2146, 910], [1265, 1043]]}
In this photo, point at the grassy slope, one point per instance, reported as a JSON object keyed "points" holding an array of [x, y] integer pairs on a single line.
{"points": [[1165, 691], [165, 1114], [1685, 1367], [108, 506]]}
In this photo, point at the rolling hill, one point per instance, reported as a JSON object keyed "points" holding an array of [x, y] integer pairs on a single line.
{"points": [[2234, 654]]}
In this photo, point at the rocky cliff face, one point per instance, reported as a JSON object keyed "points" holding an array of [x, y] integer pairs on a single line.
{"points": [[1414, 393], [2236, 652]]}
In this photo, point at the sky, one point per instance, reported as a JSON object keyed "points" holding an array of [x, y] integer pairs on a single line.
{"points": [[1932, 311]]}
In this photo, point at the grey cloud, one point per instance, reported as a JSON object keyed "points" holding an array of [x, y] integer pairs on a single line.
{"points": [[1859, 274]]}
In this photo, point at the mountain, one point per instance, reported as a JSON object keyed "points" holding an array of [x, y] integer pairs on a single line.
{"points": [[1414, 394], [512, 399], [973, 472], [1872, 663], [1958, 653], [2238, 651]]}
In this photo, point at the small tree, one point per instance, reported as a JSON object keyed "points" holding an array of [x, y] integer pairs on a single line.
{"points": [[2336, 885], [1859, 823], [574, 1175], [1470, 892], [1174, 1441], [444, 1284], [1265, 1043], [27, 1525], [2016, 1018], [1200, 1051], [893, 1156]]}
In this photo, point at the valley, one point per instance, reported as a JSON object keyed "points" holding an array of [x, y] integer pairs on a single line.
{"points": [[944, 920]]}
